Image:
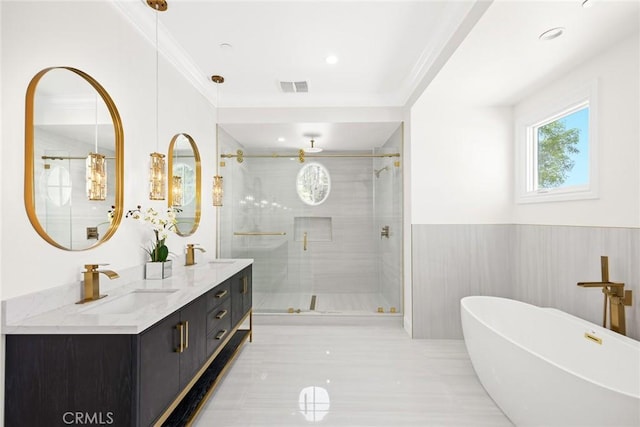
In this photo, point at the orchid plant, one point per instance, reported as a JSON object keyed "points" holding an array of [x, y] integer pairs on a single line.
{"points": [[161, 226]]}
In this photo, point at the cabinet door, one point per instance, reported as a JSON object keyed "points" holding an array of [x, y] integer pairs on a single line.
{"points": [[194, 321], [159, 368], [247, 296], [240, 295]]}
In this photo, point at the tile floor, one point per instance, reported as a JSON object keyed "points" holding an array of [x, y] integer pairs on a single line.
{"points": [[346, 375]]}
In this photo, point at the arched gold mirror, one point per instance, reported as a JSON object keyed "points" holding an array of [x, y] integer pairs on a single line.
{"points": [[73, 159], [184, 183]]}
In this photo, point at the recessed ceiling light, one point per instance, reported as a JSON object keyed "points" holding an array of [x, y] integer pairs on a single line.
{"points": [[331, 59], [551, 34], [281, 139]]}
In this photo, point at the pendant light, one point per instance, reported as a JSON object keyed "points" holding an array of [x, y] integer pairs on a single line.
{"points": [[217, 191], [176, 191], [157, 163], [96, 169]]}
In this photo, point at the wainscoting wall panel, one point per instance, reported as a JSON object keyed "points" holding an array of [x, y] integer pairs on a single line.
{"points": [[453, 261], [538, 264]]}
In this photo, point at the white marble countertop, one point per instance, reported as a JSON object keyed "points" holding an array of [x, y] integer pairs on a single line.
{"points": [[185, 285]]}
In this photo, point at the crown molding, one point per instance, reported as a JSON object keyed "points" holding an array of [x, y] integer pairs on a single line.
{"points": [[137, 13]]}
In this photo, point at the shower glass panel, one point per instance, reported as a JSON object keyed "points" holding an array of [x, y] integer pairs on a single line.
{"points": [[328, 258]]}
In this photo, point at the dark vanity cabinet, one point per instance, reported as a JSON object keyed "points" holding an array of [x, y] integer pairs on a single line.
{"points": [[120, 379], [241, 294], [171, 353]]}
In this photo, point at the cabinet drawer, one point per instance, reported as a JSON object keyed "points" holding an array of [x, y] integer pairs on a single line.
{"points": [[218, 295], [219, 331], [219, 314]]}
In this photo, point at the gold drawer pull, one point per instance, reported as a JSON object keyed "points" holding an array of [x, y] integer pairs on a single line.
{"points": [[221, 334], [180, 328], [245, 284], [222, 293], [186, 334], [221, 314]]}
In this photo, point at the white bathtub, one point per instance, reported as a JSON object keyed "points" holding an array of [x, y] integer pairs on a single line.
{"points": [[541, 370]]}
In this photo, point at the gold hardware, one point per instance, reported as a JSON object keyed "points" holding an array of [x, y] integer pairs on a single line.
{"points": [[190, 258], [221, 293], [396, 163], [380, 310], [259, 233], [392, 310], [245, 284], [221, 334], [186, 334], [92, 282], [312, 306], [384, 232], [301, 155], [223, 164], [291, 310], [159, 5], [221, 314], [304, 240], [593, 338], [616, 294], [180, 328]]}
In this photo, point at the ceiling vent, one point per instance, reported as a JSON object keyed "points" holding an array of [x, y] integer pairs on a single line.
{"points": [[294, 87]]}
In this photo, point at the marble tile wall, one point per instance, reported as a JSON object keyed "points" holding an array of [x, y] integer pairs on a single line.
{"points": [[453, 261], [550, 260], [538, 264]]}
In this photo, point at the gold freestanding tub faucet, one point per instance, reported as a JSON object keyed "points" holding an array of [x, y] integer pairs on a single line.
{"points": [[92, 282], [190, 257], [617, 296]]}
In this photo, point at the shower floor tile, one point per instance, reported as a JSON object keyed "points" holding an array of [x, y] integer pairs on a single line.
{"points": [[349, 376], [353, 303]]}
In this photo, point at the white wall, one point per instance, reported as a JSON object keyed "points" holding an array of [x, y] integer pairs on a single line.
{"points": [[462, 178], [618, 205], [460, 163], [95, 38]]}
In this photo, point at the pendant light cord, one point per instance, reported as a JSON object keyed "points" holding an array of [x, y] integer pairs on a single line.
{"points": [[157, 84]]}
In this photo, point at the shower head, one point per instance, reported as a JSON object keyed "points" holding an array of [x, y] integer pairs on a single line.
{"points": [[377, 173]]}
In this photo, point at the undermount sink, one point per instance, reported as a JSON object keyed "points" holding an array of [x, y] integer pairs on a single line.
{"points": [[130, 302], [221, 263]]}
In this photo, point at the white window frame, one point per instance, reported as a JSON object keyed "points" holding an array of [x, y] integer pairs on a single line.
{"points": [[526, 167]]}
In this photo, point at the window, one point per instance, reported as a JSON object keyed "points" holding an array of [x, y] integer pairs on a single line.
{"points": [[556, 151]]}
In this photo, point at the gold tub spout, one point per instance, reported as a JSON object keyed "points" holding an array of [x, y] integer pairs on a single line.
{"points": [[92, 282], [617, 296]]}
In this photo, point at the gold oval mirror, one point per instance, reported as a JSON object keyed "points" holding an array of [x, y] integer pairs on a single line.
{"points": [[73, 159], [184, 183]]}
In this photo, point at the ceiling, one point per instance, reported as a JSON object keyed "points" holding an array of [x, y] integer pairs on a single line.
{"points": [[388, 51]]}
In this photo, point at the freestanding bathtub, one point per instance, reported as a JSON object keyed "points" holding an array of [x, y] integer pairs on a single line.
{"points": [[544, 367]]}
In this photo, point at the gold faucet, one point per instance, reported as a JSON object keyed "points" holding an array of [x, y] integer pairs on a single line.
{"points": [[92, 282], [190, 258], [617, 296]]}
